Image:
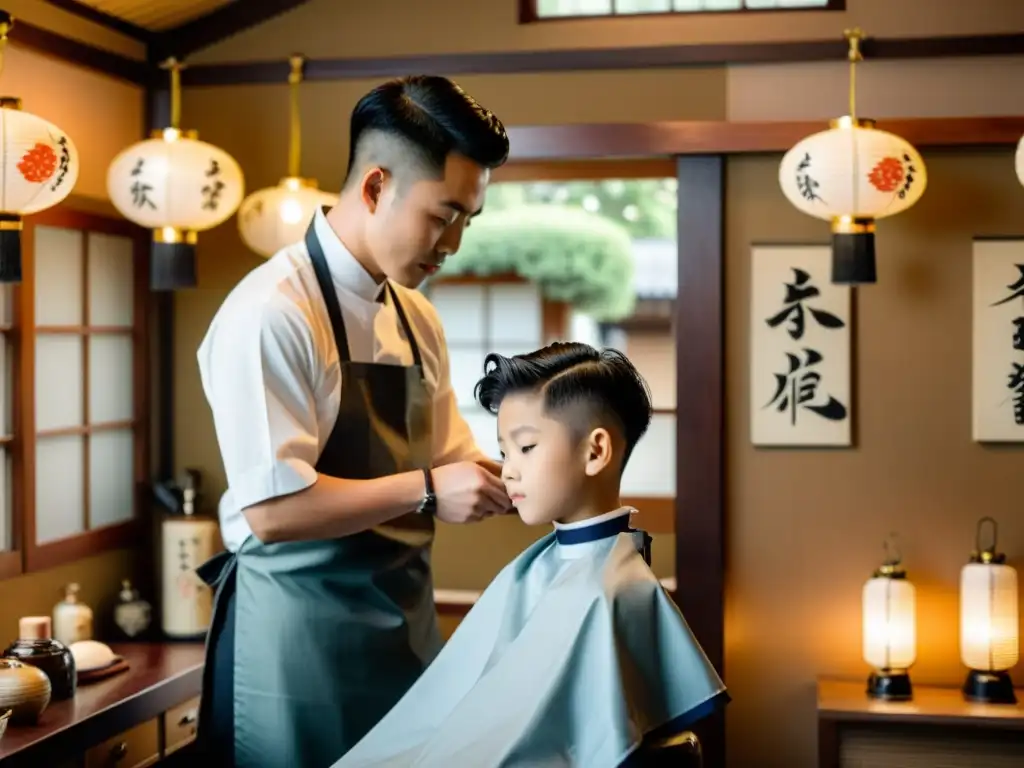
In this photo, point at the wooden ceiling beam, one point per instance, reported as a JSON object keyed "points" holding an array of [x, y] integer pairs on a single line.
{"points": [[96, 16], [217, 25]]}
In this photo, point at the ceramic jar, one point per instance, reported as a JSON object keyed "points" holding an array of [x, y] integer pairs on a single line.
{"points": [[24, 689]]}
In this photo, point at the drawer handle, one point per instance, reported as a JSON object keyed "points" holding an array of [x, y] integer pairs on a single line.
{"points": [[117, 753], [187, 719]]}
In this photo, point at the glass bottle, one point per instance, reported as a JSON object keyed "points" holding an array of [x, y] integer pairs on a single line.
{"points": [[36, 646]]}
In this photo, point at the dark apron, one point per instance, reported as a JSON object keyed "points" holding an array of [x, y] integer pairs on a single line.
{"points": [[312, 642]]}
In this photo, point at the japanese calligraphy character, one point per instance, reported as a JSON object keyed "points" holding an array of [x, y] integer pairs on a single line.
{"points": [[797, 293]]}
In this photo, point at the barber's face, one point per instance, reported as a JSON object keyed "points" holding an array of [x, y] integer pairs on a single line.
{"points": [[415, 228]]}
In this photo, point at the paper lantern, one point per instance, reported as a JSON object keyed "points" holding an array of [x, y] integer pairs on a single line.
{"points": [[989, 623], [889, 631], [274, 217], [39, 165], [1019, 160], [177, 186], [277, 216], [852, 175]]}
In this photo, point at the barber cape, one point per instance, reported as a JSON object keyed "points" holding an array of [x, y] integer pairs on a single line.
{"points": [[571, 657]]}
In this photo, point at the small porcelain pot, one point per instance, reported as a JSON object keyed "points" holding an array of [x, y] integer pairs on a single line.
{"points": [[24, 689]]}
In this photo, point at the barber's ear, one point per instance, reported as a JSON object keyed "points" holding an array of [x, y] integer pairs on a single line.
{"points": [[372, 188], [599, 451]]}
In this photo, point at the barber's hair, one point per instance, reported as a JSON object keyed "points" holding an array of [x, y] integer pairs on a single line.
{"points": [[573, 378], [425, 118]]}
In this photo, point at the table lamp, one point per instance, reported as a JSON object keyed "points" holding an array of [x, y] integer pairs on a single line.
{"points": [[889, 628], [989, 627]]}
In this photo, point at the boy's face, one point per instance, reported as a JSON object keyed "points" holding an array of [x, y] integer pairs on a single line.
{"points": [[544, 465]]}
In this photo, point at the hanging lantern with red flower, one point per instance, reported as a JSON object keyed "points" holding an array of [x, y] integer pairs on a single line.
{"points": [[852, 175], [39, 167]]}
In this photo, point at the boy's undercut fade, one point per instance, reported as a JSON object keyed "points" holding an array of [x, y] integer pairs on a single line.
{"points": [[579, 384], [410, 125]]}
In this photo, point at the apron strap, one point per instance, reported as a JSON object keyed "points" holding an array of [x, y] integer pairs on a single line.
{"points": [[323, 278], [416, 359]]}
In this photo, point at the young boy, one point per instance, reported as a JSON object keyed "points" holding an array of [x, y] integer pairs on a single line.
{"points": [[574, 655]]}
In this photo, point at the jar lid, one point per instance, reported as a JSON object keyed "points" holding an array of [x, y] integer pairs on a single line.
{"points": [[34, 628]]}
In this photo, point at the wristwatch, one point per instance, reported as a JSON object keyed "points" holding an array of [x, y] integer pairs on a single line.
{"points": [[428, 506]]}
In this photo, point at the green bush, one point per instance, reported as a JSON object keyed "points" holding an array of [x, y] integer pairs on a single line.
{"points": [[573, 256]]}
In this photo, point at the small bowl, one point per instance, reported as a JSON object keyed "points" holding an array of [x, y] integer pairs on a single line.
{"points": [[4, 717]]}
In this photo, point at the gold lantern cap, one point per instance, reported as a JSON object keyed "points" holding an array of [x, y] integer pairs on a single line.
{"points": [[892, 565], [987, 555]]}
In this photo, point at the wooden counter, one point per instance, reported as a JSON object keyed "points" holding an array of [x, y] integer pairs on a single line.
{"points": [[159, 678], [937, 720]]}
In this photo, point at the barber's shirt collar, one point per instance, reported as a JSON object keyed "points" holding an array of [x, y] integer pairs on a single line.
{"points": [[347, 273]]}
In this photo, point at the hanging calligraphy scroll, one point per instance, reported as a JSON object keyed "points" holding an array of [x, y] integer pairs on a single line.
{"points": [[998, 343], [800, 380]]}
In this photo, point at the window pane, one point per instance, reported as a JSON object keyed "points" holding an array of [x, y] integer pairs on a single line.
{"points": [[642, 6], [461, 308], [6, 518], [654, 355], [6, 304], [515, 315], [485, 430], [58, 268], [111, 477], [723, 5], [651, 470], [467, 364], [547, 8], [6, 385], [110, 378], [111, 280], [58, 381], [60, 487]]}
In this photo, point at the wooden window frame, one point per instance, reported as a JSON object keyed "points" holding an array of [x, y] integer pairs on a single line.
{"points": [[27, 556], [528, 12], [657, 512]]}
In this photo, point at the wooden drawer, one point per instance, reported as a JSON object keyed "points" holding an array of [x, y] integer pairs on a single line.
{"points": [[180, 725], [135, 748]]}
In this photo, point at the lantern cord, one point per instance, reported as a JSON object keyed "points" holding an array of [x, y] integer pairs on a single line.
{"points": [[995, 534], [5, 28], [853, 37], [295, 134], [893, 556], [175, 67]]}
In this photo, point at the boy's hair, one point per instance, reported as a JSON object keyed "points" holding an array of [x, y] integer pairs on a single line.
{"points": [[414, 123], [576, 379]]}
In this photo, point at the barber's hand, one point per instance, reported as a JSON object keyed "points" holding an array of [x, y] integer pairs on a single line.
{"points": [[467, 492]]}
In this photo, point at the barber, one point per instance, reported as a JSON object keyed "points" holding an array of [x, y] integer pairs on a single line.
{"points": [[328, 377]]}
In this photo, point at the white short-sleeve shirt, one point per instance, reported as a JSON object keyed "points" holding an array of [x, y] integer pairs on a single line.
{"points": [[270, 372]]}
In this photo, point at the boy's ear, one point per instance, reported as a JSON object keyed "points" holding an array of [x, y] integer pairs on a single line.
{"points": [[599, 451]]}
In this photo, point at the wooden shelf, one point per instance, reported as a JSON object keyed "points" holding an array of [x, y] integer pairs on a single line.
{"points": [[160, 676], [848, 702], [844, 708]]}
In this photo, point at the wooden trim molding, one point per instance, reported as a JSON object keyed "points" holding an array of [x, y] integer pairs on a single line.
{"points": [[82, 54], [219, 24], [534, 144], [104, 19], [700, 403], [593, 59]]}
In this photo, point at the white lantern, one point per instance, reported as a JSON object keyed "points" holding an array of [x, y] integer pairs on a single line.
{"points": [[39, 166], [1019, 161], [852, 175], [889, 631], [277, 216], [274, 217], [989, 623], [177, 186]]}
